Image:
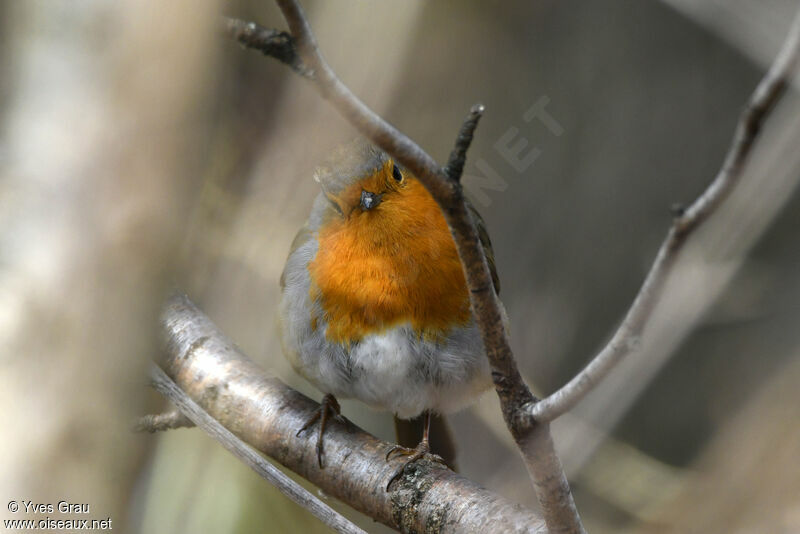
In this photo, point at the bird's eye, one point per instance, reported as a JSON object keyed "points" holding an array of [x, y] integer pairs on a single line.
{"points": [[396, 174]]}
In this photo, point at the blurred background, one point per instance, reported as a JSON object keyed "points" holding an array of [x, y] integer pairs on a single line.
{"points": [[140, 151]]}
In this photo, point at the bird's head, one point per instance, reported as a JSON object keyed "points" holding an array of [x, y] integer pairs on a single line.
{"points": [[364, 186]]}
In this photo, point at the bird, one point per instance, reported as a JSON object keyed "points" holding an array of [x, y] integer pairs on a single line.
{"points": [[374, 302]]}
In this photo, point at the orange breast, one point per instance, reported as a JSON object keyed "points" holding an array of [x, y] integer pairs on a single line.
{"points": [[397, 264]]}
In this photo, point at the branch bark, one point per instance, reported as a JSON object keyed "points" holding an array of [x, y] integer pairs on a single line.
{"points": [[162, 383], [266, 413], [162, 421], [625, 339], [458, 157], [273, 43]]}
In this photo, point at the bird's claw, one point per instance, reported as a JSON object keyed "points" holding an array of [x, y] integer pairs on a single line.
{"points": [[328, 406], [423, 450]]}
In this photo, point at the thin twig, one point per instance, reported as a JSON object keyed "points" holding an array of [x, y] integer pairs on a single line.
{"points": [[626, 339], [160, 422], [455, 163], [266, 413], [164, 385], [273, 43]]}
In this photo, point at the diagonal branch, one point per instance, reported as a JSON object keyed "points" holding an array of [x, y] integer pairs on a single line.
{"points": [[164, 385], [266, 413], [625, 339]]}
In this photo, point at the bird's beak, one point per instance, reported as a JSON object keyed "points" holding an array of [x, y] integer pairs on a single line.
{"points": [[369, 200]]}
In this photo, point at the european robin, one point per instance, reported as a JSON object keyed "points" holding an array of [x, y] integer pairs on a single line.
{"points": [[375, 305]]}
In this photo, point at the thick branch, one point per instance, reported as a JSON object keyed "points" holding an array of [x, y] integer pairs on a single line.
{"points": [[162, 383], [266, 413], [625, 339]]}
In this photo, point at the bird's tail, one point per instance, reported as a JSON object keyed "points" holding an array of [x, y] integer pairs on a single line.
{"points": [[409, 434]]}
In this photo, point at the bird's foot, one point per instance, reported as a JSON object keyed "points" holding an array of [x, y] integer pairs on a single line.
{"points": [[329, 406], [423, 450]]}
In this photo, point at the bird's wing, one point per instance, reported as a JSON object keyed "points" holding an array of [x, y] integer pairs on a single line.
{"points": [[302, 237], [483, 235]]}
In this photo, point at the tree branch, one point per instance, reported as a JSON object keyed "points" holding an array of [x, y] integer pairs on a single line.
{"points": [[266, 413], [162, 383], [455, 163], [162, 421], [273, 43], [625, 339]]}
